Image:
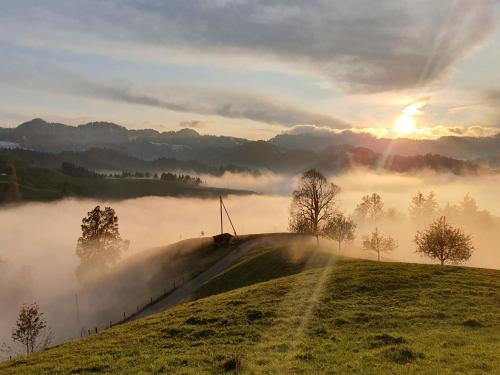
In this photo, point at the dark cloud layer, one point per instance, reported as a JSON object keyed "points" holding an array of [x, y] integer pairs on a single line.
{"points": [[364, 45]]}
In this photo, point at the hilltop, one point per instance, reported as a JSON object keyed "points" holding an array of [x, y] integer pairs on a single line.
{"points": [[290, 308]]}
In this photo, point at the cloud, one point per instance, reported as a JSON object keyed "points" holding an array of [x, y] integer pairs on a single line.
{"points": [[209, 101], [492, 100], [20, 71], [428, 132], [364, 45], [195, 124]]}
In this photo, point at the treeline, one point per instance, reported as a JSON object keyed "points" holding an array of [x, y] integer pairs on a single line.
{"points": [[435, 231], [73, 170], [165, 176]]}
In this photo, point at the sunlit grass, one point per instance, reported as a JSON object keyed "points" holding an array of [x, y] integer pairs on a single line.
{"points": [[351, 317]]}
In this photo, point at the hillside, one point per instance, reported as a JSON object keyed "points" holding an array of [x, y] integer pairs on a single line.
{"points": [[346, 317], [186, 149], [21, 181], [104, 159]]}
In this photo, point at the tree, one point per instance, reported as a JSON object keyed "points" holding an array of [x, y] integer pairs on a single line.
{"points": [[340, 228], [379, 243], [444, 242], [423, 208], [370, 208], [313, 203], [100, 245], [468, 206], [31, 329], [11, 192]]}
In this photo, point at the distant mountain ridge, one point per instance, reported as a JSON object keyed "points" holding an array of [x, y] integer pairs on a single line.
{"points": [[147, 144], [284, 153], [452, 146]]}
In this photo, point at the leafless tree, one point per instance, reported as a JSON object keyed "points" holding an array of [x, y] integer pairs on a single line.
{"points": [[371, 208], [313, 203], [31, 329], [379, 243], [340, 228], [100, 245], [442, 241]]}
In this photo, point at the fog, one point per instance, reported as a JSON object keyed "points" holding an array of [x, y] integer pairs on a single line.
{"points": [[37, 240]]}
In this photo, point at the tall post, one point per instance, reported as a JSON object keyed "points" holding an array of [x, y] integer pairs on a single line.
{"points": [[220, 202], [229, 217], [78, 313]]}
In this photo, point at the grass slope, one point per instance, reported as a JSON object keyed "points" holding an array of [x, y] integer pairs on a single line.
{"points": [[149, 274], [267, 263], [351, 317], [42, 184]]}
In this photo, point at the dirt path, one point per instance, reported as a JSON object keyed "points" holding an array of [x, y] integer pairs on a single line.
{"points": [[184, 292]]}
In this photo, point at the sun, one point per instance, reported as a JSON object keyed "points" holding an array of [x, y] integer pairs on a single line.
{"points": [[405, 125], [406, 122]]}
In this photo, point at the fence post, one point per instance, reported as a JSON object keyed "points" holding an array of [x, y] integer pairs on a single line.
{"points": [[88, 331], [124, 315], [110, 324], [95, 329]]}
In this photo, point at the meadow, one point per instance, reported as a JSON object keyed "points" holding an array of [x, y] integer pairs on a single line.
{"points": [[315, 313]]}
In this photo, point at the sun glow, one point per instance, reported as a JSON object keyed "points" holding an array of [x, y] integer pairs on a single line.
{"points": [[406, 122], [405, 125]]}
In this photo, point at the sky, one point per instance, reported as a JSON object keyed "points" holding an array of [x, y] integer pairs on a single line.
{"points": [[254, 68]]}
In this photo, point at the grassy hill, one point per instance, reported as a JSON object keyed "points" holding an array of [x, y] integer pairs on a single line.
{"points": [[20, 181], [345, 316]]}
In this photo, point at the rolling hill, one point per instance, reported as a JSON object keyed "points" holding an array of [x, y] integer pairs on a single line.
{"points": [[21, 181], [293, 309]]}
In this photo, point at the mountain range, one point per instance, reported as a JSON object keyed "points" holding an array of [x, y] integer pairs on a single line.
{"points": [[104, 145]]}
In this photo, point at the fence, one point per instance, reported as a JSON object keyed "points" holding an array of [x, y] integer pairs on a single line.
{"points": [[176, 284]]}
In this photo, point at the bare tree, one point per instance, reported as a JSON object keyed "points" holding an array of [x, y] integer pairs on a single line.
{"points": [[379, 243], [313, 203], [100, 245], [371, 208], [442, 241], [31, 329], [340, 228]]}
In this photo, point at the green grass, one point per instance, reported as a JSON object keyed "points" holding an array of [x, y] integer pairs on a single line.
{"points": [[42, 184], [149, 275], [353, 317], [267, 263]]}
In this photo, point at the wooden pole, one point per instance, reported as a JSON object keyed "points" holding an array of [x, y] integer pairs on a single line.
{"points": [[220, 203], [77, 312], [229, 217]]}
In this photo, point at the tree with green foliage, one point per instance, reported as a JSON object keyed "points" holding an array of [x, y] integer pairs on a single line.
{"points": [[340, 228], [10, 191], [379, 243], [100, 245], [442, 241], [313, 203], [31, 329], [371, 208]]}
